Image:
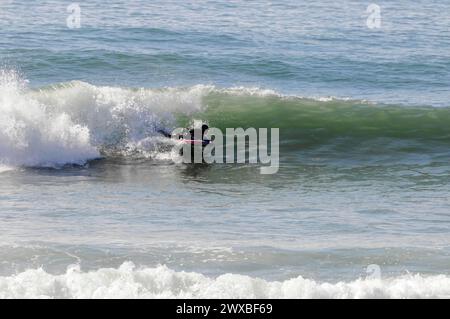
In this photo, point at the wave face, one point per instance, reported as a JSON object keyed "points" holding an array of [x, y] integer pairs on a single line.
{"points": [[162, 282], [326, 117], [71, 123]]}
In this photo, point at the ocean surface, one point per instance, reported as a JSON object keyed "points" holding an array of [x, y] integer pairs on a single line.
{"points": [[93, 206]]}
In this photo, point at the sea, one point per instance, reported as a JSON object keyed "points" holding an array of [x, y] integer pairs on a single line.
{"points": [[93, 205]]}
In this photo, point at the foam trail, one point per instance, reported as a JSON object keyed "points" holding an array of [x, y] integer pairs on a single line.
{"points": [[162, 282]]}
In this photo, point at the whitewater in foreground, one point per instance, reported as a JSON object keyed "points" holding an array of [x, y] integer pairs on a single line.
{"points": [[161, 282]]}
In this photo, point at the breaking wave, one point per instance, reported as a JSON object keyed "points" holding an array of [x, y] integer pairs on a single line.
{"points": [[127, 281], [72, 123]]}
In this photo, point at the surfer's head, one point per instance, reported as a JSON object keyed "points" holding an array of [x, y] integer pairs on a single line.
{"points": [[193, 131]]}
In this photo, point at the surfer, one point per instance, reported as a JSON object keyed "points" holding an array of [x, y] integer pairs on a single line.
{"points": [[192, 132], [189, 136], [165, 133]]}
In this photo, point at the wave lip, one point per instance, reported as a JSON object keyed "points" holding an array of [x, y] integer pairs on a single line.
{"points": [[161, 282]]}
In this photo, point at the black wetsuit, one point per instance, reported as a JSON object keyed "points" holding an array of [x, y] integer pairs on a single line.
{"points": [[191, 136], [165, 133], [192, 132]]}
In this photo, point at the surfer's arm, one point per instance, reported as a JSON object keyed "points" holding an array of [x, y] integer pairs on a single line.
{"points": [[164, 133]]}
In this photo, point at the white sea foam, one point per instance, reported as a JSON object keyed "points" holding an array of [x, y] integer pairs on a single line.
{"points": [[30, 136], [249, 91], [4, 168], [128, 281], [72, 123]]}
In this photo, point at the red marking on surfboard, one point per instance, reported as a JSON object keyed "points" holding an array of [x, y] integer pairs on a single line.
{"points": [[196, 142]]}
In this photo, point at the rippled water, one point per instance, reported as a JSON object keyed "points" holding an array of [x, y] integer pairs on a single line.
{"points": [[90, 201]]}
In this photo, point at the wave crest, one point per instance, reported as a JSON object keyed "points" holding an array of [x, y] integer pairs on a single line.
{"points": [[74, 122], [71, 123], [161, 282], [30, 136]]}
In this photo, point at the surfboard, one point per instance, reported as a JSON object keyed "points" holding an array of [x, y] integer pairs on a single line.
{"points": [[197, 142]]}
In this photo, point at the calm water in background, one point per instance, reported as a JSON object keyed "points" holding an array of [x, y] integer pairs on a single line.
{"points": [[364, 176]]}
